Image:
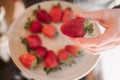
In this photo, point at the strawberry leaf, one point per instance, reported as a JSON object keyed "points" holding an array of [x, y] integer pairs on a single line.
{"points": [[88, 26], [24, 41], [48, 70], [28, 23], [34, 64], [56, 34]]}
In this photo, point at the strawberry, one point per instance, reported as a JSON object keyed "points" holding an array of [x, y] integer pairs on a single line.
{"points": [[77, 27], [75, 50], [33, 26], [42, 15], [74, 27], [50, 31], [65, 57], [56, 13], [41, 51], [51, 62], [28, 60], [67, 15], [32, 42]]}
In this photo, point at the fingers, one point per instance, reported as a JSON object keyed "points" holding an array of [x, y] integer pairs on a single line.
{"points": [[100, 16], [100, 40], [96, 15], [98, 50]]}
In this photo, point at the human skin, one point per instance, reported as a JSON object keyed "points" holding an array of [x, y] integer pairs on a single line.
{"points": [[110, 20]]}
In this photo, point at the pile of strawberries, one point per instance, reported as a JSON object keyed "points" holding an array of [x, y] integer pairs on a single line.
{"points": [[38, 53]]}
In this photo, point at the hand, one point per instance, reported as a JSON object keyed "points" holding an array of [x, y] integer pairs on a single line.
{"points": [[110, 20]]}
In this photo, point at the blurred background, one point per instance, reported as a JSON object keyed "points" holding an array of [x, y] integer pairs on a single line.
{"points": [[108, 67]]}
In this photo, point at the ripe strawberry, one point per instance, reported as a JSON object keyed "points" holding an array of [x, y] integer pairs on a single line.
{"points": [[51, 62], [43, 16], [50, 31], [41, 51], [75, 50], [56, 13], [28, 60], [74, 27], [65, 57], [32, 42], [67, 15], [34, 26]]}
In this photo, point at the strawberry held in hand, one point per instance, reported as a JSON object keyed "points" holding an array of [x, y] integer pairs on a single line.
{"points": [[42, 15], [41, 52], [51, 62], [75, 50], [50, 31], [67, 15], [28, 60], [34, 26], [65, 57], [77, 27], [32, 42], [56, 13]]}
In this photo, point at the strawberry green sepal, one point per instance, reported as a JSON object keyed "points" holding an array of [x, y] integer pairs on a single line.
{"points": [[56, 34], [24, 41], [69, 61], [34, 64], [48, 70], [80, 53], [39, 59], [69, 8], [57, 5], [88, 26], [36, 10], [28, 23]]}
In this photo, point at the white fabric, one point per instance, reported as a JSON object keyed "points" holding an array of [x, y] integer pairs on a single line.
{"points": [[92, 5]]}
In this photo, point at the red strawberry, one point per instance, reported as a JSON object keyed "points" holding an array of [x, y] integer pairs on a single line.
{"points": [[75, 50], [50, 31], [34, 26], [41, 51], [67, 15], [28, 60], [65, 57], [32, 42], [43, 16], [56, 13], [51, 62], [74, 27]]}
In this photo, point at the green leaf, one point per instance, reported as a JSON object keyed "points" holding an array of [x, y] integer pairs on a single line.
{"points": [[39, 7], [85, 29], [56, 34], [88, 26], [24, 41], [28, 23]]}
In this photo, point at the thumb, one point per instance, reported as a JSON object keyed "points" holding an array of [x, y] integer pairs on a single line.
{"points": [[99, 16], [96, 15]]}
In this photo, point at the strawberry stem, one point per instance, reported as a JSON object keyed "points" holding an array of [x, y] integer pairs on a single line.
{"points": [[24, 41], [28, 23]]}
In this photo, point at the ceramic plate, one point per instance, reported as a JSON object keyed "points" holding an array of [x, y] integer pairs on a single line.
{"points": [[84, 64]]}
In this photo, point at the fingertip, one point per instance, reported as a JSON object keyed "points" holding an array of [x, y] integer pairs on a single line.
{"points": [[78, 14]]}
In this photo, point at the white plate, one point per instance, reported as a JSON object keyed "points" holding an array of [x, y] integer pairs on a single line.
{"points": [[83, 64]]}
